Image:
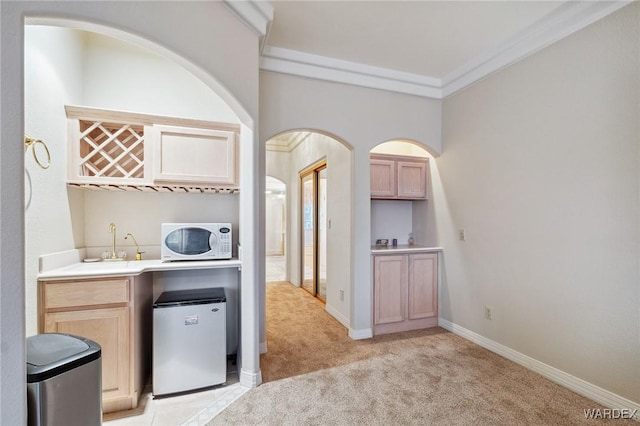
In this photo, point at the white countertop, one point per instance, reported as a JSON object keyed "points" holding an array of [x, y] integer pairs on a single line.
{"points": [[404, 249], [130, 267]]}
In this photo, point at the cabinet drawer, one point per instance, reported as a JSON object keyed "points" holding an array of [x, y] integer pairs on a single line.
{"points": [[68, 294]]}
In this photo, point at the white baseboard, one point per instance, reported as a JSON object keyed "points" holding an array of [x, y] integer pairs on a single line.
{"points": [[577, 385], [365, 333], [361, 334], [250, 379], [337, 315], [263, 347]]}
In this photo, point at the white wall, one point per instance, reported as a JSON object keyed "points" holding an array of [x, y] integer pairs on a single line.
{"points": [[391, 219], [275, 217], [53, 77], [142, 213], [277, 165], [117, 73], [198, 46], [541, 165], [363, 118]]}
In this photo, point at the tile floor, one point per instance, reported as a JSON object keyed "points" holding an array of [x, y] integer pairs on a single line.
{"points": [[197, 408], [193, 409], [275, 268]]}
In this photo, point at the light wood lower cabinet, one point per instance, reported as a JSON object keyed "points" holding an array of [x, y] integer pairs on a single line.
{"points": [[115, 313], [405, 292]]}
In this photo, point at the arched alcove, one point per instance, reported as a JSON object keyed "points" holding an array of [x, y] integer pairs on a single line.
{"points": [[398, 219], [230, 78]]}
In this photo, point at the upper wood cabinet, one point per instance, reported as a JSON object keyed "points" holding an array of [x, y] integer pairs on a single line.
{"points": [[131, 151], [398, 177], [204, 156]]}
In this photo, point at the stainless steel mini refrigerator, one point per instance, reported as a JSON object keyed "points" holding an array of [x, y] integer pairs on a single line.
{"points": [[189, 340]]}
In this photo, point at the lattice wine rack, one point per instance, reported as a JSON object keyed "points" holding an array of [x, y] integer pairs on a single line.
{"points": [[111, 150]]}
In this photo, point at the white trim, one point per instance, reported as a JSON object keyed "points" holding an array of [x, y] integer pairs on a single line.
{"points": [[289, 144], [564, 20], [286, 61], [337, 315], [257, 15], [250, 379], [263, 347], [360, 334], [577, 385]]}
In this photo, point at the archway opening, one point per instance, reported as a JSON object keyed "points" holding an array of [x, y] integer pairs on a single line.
{"points": [[71, 66], [317, 169], [275, 229]]}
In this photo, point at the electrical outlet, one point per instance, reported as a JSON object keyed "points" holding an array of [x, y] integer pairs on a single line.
{"points": [[341, 294], [487, 312], [461, 235]]}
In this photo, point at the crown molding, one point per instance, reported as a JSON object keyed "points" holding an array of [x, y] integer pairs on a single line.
{"points": [[563, 21], [286, 61], [257, 15], [566, 19], [288, 142]]}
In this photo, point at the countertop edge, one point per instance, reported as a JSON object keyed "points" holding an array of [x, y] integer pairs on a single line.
{"points": [[131, 268], [404, 249]]}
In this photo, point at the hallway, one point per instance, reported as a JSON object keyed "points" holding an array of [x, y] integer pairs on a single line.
{"points": [[276, 268]]}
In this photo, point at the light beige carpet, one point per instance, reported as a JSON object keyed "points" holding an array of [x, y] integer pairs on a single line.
{"points": [[428, 377]]}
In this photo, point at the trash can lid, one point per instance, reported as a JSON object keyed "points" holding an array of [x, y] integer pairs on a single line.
{"points": [[51, 354]]}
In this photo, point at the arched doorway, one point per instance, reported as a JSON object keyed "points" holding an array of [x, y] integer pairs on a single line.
{"points": [[275, 229], [289, 157]]}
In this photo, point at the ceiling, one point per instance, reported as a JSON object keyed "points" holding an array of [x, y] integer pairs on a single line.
{"points": [[429, 38], [423, 48]]}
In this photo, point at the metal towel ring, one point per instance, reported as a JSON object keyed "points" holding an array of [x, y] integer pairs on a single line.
{"points": [[30, 142]]}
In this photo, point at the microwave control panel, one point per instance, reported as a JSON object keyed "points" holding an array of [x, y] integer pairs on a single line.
{"points": [[225, 240]]}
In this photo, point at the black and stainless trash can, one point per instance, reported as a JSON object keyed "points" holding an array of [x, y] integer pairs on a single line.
{"points": [[64, 380]]}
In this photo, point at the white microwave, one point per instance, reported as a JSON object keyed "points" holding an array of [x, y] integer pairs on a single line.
{"points": [[195, 241]]}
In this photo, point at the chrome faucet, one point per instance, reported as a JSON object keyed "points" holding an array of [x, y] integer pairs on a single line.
{"points": [[138, 252]]}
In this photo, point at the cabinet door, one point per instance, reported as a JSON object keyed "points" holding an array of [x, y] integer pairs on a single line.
{"points": [[189, 155], [383, 178], [390, 289], [109, 328], [423, 285], [412, 179]]}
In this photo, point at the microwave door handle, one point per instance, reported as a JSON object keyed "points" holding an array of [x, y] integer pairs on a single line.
{"points": [[184, 236], [213, 241]]}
